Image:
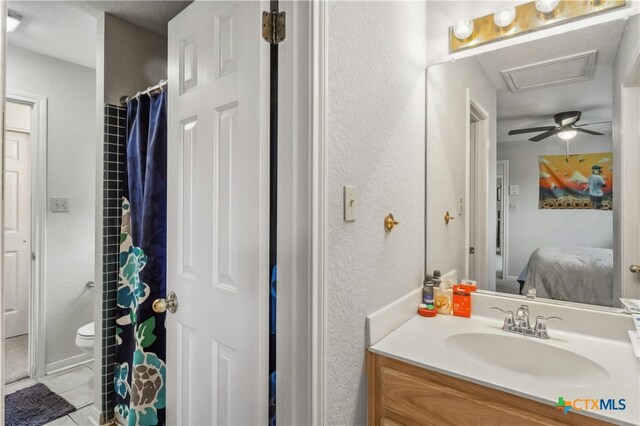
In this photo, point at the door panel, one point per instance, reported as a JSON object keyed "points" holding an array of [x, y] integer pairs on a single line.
{"points": [[17, 233], [217, 215]]}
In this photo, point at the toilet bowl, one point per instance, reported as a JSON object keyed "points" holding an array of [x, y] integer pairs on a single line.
{"points": [[85, 337]]}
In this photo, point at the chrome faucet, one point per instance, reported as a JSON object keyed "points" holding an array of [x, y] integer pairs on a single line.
{"points": [[519, 323]]}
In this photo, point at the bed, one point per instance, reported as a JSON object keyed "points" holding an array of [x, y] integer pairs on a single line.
{"points": [[575, 274]]}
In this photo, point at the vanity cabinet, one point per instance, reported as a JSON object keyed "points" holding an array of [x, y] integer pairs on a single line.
{"points": [[403, 394]]}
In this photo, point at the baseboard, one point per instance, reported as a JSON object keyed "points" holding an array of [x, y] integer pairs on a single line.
{"points": [[67, 363]]}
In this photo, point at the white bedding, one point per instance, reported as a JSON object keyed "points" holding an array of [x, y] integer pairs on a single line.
{"points": [[577, 274]]}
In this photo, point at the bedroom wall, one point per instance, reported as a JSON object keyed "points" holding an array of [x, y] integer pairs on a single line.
{"points": [[530, 227]]}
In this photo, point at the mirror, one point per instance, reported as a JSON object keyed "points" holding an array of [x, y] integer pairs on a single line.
{"points": [[522, 158]]}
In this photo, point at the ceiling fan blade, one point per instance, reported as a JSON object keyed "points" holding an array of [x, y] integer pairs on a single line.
{"points": [[531, 130], [590, 132], [590, 124], [545, 135]]}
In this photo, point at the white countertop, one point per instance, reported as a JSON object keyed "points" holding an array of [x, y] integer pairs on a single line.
{"points": [[421, 341]]}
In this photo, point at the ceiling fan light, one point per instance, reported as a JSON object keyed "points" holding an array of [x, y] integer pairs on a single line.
{"points": [[504, 17], [567, 134], [463, 29], [546, 6]]}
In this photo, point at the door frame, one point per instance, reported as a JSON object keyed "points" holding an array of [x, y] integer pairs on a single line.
{"points": [[504, 220], [482, 226], [38, 170], [628, 216], [319, 209]]}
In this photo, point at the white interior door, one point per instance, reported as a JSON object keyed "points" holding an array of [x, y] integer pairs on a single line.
{"points": [[218, 163], [17, 233]]}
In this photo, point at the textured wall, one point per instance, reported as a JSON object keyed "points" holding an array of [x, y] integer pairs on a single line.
{"points": [[376, 119], [447, 85], [70, 237], [530, 227]]}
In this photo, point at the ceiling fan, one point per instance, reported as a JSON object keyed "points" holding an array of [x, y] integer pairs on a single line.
{"points": [[566, 127]]}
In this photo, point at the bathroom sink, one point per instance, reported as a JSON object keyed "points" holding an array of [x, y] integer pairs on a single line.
{"points": [[527, 356]]}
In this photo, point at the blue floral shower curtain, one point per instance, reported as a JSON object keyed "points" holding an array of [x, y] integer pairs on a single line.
{"points": [[140, 373]]}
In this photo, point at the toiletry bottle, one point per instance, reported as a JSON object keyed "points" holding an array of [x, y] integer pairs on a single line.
{"points": [[443, 295], [427, 290], [437, 278]]}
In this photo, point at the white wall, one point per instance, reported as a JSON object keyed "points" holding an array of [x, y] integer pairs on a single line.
{"points": [[70, 237], [531, 227], [447, 123], [375, 141]]}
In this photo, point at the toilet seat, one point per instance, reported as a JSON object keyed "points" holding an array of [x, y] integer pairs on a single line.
{"points": [[87, 331]]}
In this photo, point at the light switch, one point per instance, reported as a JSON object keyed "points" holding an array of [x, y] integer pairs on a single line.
{"points": [[349, 203], [58, 204], [514, 190]]}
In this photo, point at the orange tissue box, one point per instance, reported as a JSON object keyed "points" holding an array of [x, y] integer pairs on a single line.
{"points": [[462, 300]]}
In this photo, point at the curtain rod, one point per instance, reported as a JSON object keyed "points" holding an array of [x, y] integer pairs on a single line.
{"points": [[149, 91]]}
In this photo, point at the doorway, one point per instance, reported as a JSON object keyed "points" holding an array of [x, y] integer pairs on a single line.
{"points": [[25, 207], [17, 243]]}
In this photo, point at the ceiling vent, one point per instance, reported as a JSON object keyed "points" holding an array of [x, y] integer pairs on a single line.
{"points": [[568, 69]]}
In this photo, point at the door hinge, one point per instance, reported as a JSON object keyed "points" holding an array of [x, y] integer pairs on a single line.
{"points": [[33, 255], [274, 26], [472, 250]]}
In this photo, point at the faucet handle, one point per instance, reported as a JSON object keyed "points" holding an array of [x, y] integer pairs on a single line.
{"points": [[540, 328], [509, 321]]}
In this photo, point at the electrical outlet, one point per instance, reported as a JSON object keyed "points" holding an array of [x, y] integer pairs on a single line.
{"points": [[59, 205]]}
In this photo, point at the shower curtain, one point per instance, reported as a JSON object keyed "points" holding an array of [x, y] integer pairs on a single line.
{"points": [[140, 373]]}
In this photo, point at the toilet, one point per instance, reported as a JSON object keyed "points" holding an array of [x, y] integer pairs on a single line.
{"points": [[85, 338]]}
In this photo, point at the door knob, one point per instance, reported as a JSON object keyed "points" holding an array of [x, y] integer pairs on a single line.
{"points": [[169, 304], [634, 268]]}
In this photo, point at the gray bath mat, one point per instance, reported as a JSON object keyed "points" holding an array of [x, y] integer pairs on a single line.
{"points": [[34, 406]]}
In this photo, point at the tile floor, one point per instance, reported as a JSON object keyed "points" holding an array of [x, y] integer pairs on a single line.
{"points": [[75, 385]]}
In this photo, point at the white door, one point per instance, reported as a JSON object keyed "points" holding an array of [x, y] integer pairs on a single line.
{"points": [[17, 233], [218, 163]]}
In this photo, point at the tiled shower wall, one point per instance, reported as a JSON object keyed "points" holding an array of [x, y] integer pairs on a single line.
{"points": [[115, 119]]}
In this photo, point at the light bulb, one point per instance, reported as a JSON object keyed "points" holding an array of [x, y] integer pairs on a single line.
{"points": [[546, 6], [504, 17], [463, 29], [567, 134]]}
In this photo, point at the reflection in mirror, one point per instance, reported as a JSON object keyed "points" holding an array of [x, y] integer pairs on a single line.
{"points": [[521, 151]]}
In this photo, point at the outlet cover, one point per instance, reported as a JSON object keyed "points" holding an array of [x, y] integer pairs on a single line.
{"points": [[59, 205]]}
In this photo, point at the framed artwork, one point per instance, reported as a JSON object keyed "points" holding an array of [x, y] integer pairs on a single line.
{"points": [[578, 181]]}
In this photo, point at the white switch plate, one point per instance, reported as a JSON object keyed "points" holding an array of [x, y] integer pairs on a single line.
{"points": [[59, 204], [349, 203], [514, 190]]}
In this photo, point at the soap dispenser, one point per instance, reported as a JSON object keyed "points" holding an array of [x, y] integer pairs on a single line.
{"points": [[443, 298]]}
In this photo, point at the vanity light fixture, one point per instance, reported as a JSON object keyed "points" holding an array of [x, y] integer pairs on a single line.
{"points": [[504, 17], [13, 21], [463, 29], [567, 134], [546, 6], [524, 18]]}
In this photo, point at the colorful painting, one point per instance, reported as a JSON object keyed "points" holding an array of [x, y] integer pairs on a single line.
{"points": [[578, 181]]}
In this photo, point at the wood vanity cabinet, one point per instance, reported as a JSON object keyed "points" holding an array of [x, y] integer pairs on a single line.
{"points": [[403, 394]]}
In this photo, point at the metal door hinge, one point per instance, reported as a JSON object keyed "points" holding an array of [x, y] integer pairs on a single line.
{"points": [[274, 26], [472, 250]]}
